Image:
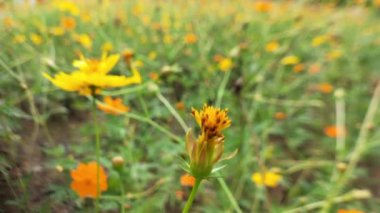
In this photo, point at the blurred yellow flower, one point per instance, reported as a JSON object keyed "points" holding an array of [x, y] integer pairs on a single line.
{"points": [[191, 38], [263, 6], [84, 40], [152, 55], [376, 3], [8, 22], [18, 39], [85, 17], [334, 54], [319, 40], [113, 106], [36, 39], [107, 47], [68, 6], [168, 39], [57, 31], [92, 76], [272, 46], [225, 64], [269, 179], [290, 60]]}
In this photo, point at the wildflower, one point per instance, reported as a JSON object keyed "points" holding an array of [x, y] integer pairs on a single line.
{"points": [[84, 40], [269, 179], [225, 64], [107, 47], [36, 39], [280, 116], [187, 180], [117, 161], [325, 88], [92, 76], [334, 54], [19, 39], [314, 68], [349, 211], [57, 31], [113, 106], [152, 55], [59, 168], [263, 6], [68, 23], [333, 131], [168, 39], [319, 40], [376, 3], [85, 181], [68, 6], [128, 55], [8, 22], [290, 60], [298, 68], [154, 76], [191, 38], [180, 105], [272, 46], [208, 148]]}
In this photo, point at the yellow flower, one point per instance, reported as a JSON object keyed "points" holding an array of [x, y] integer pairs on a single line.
{"points": [[57, 31], [36, 39], [191, 38], [168, 39], [225, 64], [334, 54], [208, 148], [269, 179], [84, 40], [319, 40], [18, 39], [68, 6], [92, 76], [290, 60], [152, 55], [8, 22], [272, 46], [107, 47]]}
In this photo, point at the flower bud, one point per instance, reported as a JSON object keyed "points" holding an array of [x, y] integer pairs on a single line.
{"points": [[117, 161]]}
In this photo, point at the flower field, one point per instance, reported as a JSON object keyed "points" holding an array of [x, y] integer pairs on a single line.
{"points": [[190, 106]]}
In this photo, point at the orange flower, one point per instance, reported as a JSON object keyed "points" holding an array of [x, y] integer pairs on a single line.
{"points": [[180, 105], [263, 6], [325, 88], [68, 23], [218, 57], [349, 211], [84, 180], [314, 68], [333, 131], [298, 68], [272, 46], [280, 116], [191, 38], [154, 76], [128, 55], [113, 106], [187, 180]]}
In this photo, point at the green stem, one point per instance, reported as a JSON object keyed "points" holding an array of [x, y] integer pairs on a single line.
{"points": [[97, 151], [172, 111], [222, 88], [229, 195], [122, 195], [192, 196]]}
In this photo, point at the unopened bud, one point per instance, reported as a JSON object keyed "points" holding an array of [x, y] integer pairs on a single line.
{"points": [[341, 166], [59, 168], [339, 93], [153, 87], [117, 161]]}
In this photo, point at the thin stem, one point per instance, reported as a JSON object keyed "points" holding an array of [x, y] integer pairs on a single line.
{"points": [[192, 196], [358, 150], [229, 195], [97, 151], [122, 194], [222, 88], [172, 111], [340, 124]]}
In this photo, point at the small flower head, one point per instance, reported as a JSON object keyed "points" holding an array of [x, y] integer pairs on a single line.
{"points": [[191, 38], [113, 106], [225, 64], [272, 46], [208, 148], [187, 180], [85, 180], [263, 6], [267, 178], [290, 60], [333, 131]]}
